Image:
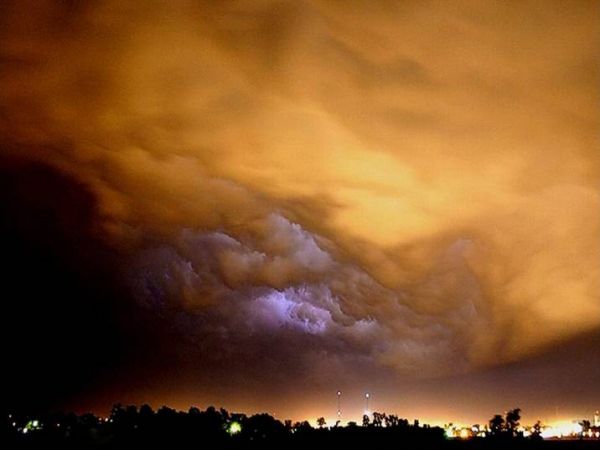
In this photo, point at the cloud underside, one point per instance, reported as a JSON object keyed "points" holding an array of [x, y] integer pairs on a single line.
{"points": [[410, 186]]}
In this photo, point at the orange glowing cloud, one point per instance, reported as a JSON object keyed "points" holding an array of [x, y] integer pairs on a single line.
{"points": [[417, 183]]}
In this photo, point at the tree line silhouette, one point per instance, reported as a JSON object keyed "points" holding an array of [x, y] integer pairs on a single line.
{"points": [[133, 427]]}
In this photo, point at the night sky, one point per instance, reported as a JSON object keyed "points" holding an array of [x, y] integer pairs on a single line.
{"points": [[255, 204]]}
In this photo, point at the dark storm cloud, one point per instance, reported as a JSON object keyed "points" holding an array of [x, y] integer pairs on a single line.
{"points": [[280, 283], [358, 187]]}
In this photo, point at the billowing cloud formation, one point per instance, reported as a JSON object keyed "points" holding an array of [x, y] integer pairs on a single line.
{"points": [[281, 282], [414, 185]]}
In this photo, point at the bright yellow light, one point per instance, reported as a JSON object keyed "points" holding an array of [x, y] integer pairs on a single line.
{"points": [[234, 428]]}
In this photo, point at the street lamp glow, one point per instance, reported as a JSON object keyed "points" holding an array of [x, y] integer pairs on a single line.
{"points": [[234, 428], [367, 396]]}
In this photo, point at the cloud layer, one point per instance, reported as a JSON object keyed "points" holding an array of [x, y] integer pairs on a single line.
{"points": [[410, 185]]}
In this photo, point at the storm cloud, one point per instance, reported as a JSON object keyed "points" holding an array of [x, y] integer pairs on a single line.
{"points": [[392, 186]]}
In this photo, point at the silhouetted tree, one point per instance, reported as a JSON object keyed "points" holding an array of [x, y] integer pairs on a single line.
{"points": [[262, 427], [391, 420], [378, 419], [130, 427], [302, 427], [512, 421], [585, 425], [146, 418], [116, 412], [536, 431], [224, 414], [497, 424], [365, 421]]}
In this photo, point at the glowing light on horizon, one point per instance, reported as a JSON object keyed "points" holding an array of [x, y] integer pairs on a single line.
{"points": [[234, 428], [562, 429]]}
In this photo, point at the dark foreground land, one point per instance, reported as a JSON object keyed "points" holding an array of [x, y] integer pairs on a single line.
{"points": [[485, 443], [133, 428], [317, 441]]}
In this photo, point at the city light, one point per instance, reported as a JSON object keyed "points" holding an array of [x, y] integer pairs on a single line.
{"points": [[32, 425], [562, 429], [234, 428]]}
